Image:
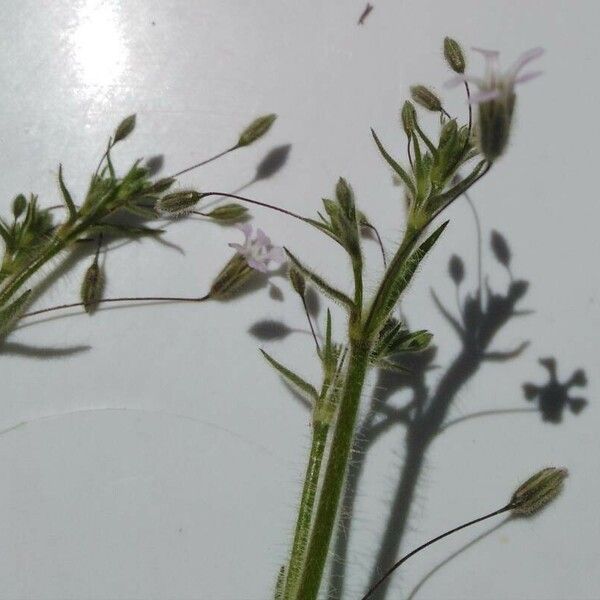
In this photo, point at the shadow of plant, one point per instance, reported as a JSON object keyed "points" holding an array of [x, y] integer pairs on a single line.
{"points": [[424, 416]]}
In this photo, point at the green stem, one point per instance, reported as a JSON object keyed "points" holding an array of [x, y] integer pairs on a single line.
{"points": [[330, 492], [305, 511], [56, 246]]}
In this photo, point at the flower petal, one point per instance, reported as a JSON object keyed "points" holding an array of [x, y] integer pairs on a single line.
{"points": [[276, 254], [485, 96], [489, 54], [528, 76], [256, 265], [525, 58], [261, 238], [245, 228]]}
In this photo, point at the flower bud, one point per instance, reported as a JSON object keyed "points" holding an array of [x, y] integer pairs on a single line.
{"points": [[538, 491], [495, 119], [161, 185], [454, 55], [229, 212], [91, 288], [19, 205], [409, 117], [178, 203], [256, 129], [344, 196], [126, 126], [298, 281], [448, 133], [233, 275], [426, 98]]}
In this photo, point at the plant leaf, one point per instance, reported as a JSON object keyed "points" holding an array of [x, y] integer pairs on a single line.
{"points": [[66, 195], [295, 380], [397, 168]]}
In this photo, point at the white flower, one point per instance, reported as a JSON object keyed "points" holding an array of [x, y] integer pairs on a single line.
{"points": [[259, 251], [495, 83]]}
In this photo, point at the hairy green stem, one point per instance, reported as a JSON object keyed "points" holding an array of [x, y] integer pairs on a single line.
{"points": [[305, 512], [335, 473]]}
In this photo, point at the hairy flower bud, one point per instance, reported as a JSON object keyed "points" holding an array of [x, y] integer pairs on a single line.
{"points": [[409, 117], [448, 133], [229, 212], [91, 288], [256, 129], [298, 281], [454, 55], [161, 185], [426, 98], [344, 196], [538, 491], [126, 126], [178, 203], [495, 119], [18, 206], [233, 275]]}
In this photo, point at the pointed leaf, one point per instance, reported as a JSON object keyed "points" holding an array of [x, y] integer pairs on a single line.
{"points": [[295, 380], [66, 195], [409, 268], [397, 168]]}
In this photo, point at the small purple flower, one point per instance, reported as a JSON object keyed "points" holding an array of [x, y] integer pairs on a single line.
{"points": [[495, 83], [259, 251]]}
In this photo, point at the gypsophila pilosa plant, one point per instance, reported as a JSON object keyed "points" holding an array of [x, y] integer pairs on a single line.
{"points": [[32, 238], [375, 338]]}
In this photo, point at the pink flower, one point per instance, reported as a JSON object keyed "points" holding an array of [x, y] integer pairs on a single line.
{"points": [[495, 83], [259, 251]]}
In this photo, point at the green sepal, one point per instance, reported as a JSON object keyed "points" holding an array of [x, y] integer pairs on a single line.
{"points": [[292, 378]]}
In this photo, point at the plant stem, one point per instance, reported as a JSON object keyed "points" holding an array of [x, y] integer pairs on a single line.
{"points": [[305, 511], [429, 543], [330, 492], [123, 299], [205, 162]]}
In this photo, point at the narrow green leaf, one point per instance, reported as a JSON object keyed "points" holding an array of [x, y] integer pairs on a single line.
{"points": [[327, 289], [66, 195], [397, 168], [12, 312], [295, 380], [5, 234]]}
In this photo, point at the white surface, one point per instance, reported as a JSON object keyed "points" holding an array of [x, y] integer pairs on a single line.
{"points": [[190, 493]]}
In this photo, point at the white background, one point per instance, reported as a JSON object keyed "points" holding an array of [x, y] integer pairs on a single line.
{"points": [[188, 490]]}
